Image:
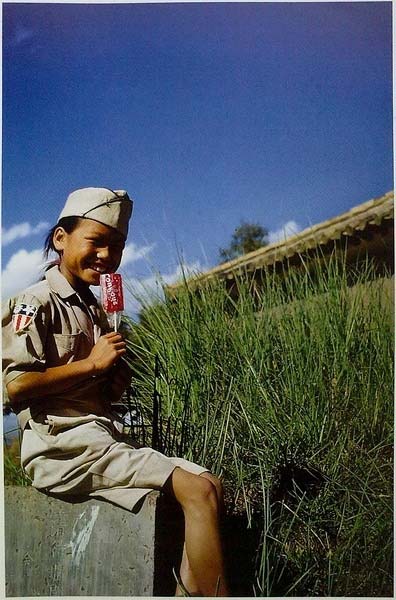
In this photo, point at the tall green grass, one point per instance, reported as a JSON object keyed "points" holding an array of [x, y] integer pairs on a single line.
{"points": [[13, 473], [286, 392]]}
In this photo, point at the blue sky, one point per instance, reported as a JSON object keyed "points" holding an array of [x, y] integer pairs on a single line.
{"points": [[208, 114]]}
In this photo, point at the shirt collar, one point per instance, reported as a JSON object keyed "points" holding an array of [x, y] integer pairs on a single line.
{"points": [[58, 283]]}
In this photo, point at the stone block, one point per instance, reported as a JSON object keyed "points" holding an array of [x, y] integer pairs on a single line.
{"points": [[89, 547]]}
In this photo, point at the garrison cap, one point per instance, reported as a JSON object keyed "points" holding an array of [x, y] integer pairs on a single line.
{"points": [[110, 207]]}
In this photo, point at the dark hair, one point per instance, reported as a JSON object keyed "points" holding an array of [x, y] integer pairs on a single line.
{"points": [[68, 224]]}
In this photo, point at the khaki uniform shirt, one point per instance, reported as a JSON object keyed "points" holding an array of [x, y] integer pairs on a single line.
{"points": [[70, 443], [63, 329]]}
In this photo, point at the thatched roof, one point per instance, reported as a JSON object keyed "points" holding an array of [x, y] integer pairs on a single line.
{"points": [[360, 223]]}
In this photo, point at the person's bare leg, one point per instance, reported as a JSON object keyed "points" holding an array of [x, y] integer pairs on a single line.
{"points": [[198, 499], [186, 574], [187, 578]]}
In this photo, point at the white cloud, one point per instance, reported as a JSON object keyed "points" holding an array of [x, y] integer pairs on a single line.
{"points": [[132, 253], [22, 270], [25, 268], [143, 292], [288, 229], [21, 230]]}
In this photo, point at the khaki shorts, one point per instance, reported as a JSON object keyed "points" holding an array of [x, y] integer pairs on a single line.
{"points": [[81, 456]]}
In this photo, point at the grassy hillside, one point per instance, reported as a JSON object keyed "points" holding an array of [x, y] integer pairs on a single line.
{"points": [[287, 394]]}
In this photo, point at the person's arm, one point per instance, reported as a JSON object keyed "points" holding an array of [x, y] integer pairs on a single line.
{"points": [[32, 384]]}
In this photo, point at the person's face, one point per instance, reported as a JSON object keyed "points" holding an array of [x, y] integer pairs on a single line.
{"points": [[89, 250]]}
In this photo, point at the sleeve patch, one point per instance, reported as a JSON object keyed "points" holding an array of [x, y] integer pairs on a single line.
{"points": [[23, 316]]}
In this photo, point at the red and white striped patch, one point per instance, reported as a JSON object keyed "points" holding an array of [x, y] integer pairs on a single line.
{"points": [[23, 315]]}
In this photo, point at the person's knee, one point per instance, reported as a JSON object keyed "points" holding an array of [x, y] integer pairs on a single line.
{"points": [[194, 492], [216, 483], [204, 493]]}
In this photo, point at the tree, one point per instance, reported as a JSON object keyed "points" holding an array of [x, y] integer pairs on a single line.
{"points": [[246, 238]]}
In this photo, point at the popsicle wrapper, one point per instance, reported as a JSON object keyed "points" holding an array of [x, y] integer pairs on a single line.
{"points": [[112, 296]]}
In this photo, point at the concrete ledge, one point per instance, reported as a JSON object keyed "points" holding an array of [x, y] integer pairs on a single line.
{"points": [[89, 548]]}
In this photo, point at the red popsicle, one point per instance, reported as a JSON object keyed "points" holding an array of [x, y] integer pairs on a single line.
{"points": [[112, 296]]}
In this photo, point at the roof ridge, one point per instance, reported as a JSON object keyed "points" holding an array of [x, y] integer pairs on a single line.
{"points": [[360, 214]]}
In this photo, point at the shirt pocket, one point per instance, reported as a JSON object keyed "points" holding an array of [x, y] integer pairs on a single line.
{"points": [[66, 347]]}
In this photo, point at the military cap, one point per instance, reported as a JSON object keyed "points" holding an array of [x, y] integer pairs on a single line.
{"points": [[110, 207]]}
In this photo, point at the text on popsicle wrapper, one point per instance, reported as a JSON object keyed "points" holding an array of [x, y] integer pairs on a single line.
{"points": [[112, 297]]}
